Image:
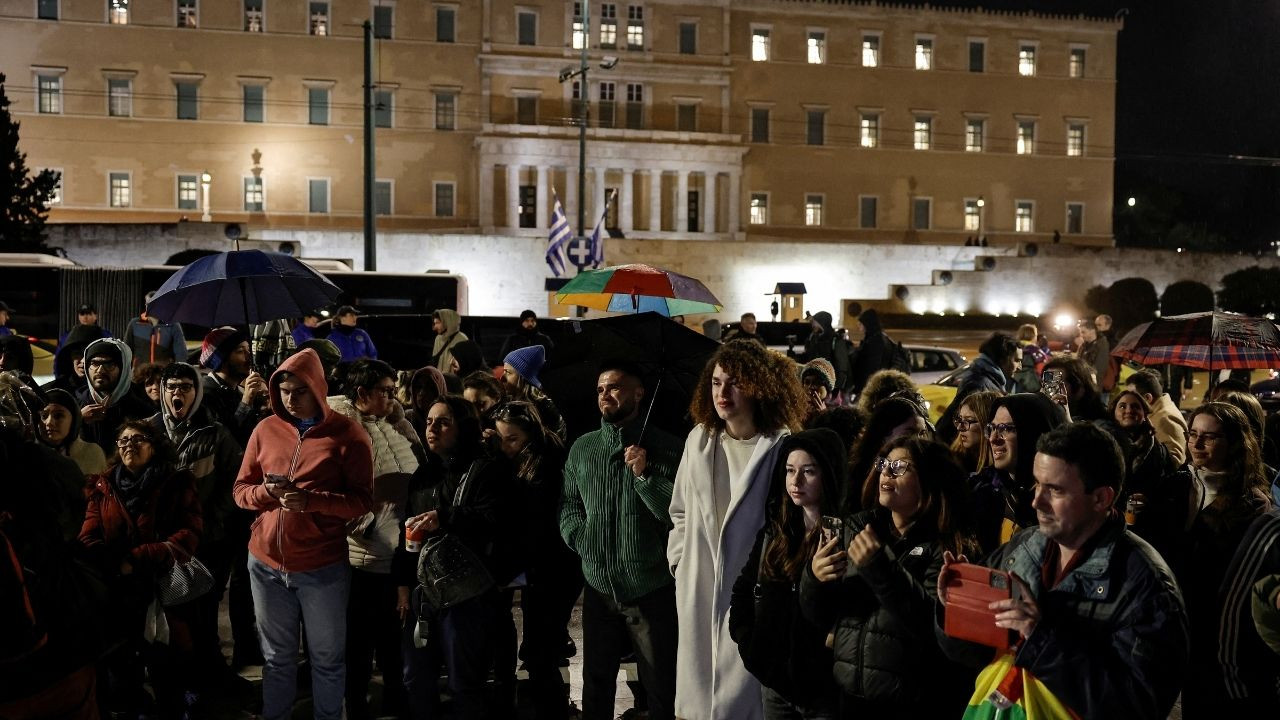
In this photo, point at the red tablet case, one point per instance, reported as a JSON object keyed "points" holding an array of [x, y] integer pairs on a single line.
{"points": [[969, 590]]}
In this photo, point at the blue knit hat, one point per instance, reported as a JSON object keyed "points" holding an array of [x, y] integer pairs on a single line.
{"points": [[527, 362]]}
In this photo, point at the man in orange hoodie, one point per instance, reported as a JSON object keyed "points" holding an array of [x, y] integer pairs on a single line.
{"points": [[307, 471]]}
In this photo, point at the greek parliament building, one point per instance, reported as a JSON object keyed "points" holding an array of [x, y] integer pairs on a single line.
{"points": [[777, 120]]}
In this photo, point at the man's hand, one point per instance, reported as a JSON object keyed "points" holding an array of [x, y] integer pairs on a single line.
{"points": [[864, 547], [93, 412], [828, 562], [402, 602], [254, 387], [636, 459], [295, 499], [1019, 613], [945, 575], [816, 404]]}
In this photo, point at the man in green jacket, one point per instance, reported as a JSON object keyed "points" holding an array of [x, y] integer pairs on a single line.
{"points": [[614, 514]]}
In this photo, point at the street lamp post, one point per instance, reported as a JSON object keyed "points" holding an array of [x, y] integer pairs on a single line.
{"points": [[205, 180], [569, 73], [982, 211]]}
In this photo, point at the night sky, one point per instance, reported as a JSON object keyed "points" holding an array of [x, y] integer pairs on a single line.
{"points": [[1198, 109]]}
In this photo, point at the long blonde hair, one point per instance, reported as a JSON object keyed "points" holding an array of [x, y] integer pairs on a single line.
{"points": [[982, 404]]}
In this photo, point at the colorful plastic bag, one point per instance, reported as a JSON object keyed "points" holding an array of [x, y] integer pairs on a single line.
{"points": [[1004, 691]]}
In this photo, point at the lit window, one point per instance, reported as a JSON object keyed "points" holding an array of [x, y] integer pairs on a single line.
{"points": [[760, 45], [381, 197], [383, 102], [816, 127], [55, 197], [1075, 63], [759, 209], [579, 29], [971, 218], [1075, 140], [445, 17], [870, 130], [608, 26], [924, 53], [867, 211], [119, 97], [49, 88], [1026, 137], [187, 13], [319, 12], [1023, 217], [870, 51], [1075, 218], [813, 210], [527, 28], [446, 110], [254, 197], [635, 27], [974, 134], [118, 12], [188, 100], [1026, 60], [444, 199], [254, 20], [318, 106], [635, 106], [188, 192], [318, 195], [383, 21], [817, 47], [923, 136], [921, 213], [121, 195]]}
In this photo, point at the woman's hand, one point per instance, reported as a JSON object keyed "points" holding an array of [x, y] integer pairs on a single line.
{"points": [[428, 521], [828, 562], [402, 602], [864, 547]]}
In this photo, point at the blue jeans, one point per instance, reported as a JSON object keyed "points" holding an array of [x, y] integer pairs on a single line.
{"points": [[462, 639], [317, 599]]}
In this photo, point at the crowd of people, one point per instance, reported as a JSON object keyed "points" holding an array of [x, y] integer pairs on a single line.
{"points": [[797, 555]]}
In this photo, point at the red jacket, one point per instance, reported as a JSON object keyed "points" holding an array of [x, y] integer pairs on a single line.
{"points": [[172, 514], [332, 461]]}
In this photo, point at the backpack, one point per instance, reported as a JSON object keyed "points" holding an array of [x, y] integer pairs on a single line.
{"points": [[899, 356]]}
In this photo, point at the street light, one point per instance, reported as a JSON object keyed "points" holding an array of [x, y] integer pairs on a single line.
{"points": [[1132, 201], [982, 204], [567, 73], [205, 180]]}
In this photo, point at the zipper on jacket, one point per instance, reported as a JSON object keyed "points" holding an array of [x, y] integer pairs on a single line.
{"points": [[297, 450]]}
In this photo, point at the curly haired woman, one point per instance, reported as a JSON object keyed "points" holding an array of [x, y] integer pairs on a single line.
{"points": [[747, 400]]}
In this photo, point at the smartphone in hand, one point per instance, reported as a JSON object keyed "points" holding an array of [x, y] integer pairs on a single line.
{"points": [[832, 527]]}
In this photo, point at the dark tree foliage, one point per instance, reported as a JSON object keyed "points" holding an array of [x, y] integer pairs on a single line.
{"points": [[1186, 296], [1252, 291], [1133, 301], [1097, 299], [26, 198]]}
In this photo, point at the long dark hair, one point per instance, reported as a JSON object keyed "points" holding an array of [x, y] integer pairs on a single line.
{"points": [[1246, 484], [943, 492], [542, 442], [468, 424], [889, 414], [790, 543]]}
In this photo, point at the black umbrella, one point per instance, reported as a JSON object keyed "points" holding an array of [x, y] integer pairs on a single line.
{"points": [[670, 356]]}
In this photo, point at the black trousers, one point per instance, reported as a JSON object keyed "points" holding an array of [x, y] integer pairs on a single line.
{"points": [[373, 631], [610, 629]]}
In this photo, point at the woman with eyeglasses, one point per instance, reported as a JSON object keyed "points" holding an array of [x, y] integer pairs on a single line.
{"points": [[876, 583], [142, 514], [970, 445], [459, 491], [1230, 487], [891, 419], [553, 571], [784, 651], [1156, 497]]}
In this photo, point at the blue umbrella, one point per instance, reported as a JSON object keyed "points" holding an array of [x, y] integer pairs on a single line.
{"points": [[241, 287]]}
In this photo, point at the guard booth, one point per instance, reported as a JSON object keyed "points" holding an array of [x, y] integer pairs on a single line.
{"points": [[555, 309], [791, 298]]}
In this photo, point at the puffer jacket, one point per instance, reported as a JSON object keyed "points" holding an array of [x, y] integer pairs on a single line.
{"points": [[207, 450], [885, 650]]}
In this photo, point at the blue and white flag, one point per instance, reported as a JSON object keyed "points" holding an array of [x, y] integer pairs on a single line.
{"points": [[597, 241], [560, 234]]}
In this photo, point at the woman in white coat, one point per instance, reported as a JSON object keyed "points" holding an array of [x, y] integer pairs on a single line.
{"points": [[747, 400]]}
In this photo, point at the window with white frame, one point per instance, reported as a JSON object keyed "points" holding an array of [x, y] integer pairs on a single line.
{"points": [[972, 219], [1075, 218], [609, 26], [921, 213], [188, 96], [318, 105], [607, 105], [49, 93], [1024, 216], [1075, 140], [120, 193], [759, 208], [383, 105], [446, 22], [869, 130], [759, 44], [446, 110], [635, 27], [867, 209], [1026, 59], [118, 12], [578, 28], [813, 210], [55, 197], [318, 195], [255, 20], [318, 21], [975, 134], [922, 137], [119, 97], [924, 52], [382, 197], [577, 104], [255, 198], [1075, 62], [384, 20], [635, 106], [46, 9], [188, 192], [526, 27], [252, 96], [188, 13], [444, 199], [817, 47], [870, 50], [1026, 137]]}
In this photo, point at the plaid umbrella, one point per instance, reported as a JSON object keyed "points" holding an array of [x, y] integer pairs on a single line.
{"points": [[1207, 340]]}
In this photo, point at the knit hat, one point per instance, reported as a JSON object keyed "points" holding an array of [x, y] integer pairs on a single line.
{"points": [[824, 369], [527, 362], [329, 353], [218, 344]]}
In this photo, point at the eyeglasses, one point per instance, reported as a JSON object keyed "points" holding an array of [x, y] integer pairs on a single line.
{"points": [[963, 424], [388, 390], [1195, 436], [893, 468], [1001, 429], [179, 387], [95, 363], [134, 440]]}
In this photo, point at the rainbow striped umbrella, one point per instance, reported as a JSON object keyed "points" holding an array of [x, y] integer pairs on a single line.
{"points": [[638, 288], [1207, 340]]}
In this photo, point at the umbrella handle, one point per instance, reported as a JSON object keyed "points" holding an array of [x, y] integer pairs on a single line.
{"points": [[649, 412]]}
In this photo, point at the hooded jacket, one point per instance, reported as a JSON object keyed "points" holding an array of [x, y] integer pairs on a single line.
{"points": [[416, 416], [785, 651], [87, 456], [121, 404], [72, 347], [983, 374], [1002, 502], [828, 345], [332, 461], [17, 354], [154, 341], [875, 352], [205, 448], [441, 349]]}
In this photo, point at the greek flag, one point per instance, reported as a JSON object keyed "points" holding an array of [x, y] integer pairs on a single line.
{"points": [[597, 242], [560, 234]]}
